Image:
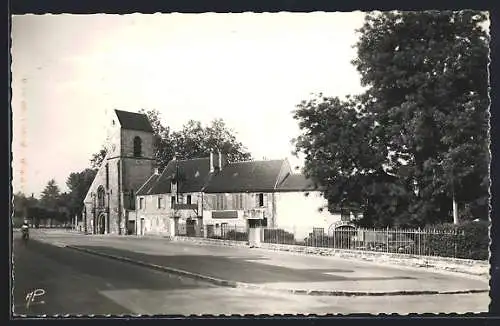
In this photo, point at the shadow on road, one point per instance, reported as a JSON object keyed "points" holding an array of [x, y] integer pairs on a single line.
{"points": [[238, 268]]}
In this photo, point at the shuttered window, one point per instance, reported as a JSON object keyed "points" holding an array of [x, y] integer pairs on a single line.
{"points": [[260, 200], [219, 205]]}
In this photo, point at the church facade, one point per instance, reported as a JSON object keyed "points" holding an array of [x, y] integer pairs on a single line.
{"points": [[109, 205]]}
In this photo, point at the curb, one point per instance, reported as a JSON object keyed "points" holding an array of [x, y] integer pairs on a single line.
{"points": [[235, 284]]}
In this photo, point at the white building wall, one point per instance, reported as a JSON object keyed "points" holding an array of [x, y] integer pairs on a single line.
{"points": [[298, 213], [152, 220]]}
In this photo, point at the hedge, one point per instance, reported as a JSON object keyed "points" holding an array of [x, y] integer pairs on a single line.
{"points": [[470, 241]]}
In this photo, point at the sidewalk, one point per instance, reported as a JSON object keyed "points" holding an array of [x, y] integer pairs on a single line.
{"points": [[268, 270]]}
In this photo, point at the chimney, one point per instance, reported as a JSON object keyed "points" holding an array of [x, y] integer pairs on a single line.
{"points": [[211, 162], [222, 160], [219, 156]]}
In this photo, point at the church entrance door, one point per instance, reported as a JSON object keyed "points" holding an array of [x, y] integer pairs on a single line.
{"points": [[101, 224]]}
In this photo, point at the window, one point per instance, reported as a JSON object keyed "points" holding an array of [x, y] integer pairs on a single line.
{"points": [[141, 203], [160, 202], [238, 201], [188, 199], [100, 197], [180, 199], [219, 202], [107, 176], [137, 146], [172, 201], [260, 200]]}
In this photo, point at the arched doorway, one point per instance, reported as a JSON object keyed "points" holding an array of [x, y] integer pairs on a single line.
{"points": [[101, 224]]}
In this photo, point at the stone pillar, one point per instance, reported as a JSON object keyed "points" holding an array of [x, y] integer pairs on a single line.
{"points": [[199, 227], [172, 226], [254, 236]]}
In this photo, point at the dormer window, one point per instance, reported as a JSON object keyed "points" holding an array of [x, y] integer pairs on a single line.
{"points": [[137, 147]]}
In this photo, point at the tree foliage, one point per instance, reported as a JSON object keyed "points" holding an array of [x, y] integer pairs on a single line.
{"points": [[419, 134], [78, 184], [51, 195], [193, 140], [97, 158]]}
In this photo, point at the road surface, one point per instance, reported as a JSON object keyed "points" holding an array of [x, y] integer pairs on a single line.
{"points": [[78, 283]]}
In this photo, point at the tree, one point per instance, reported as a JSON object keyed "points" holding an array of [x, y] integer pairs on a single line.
{"points": [[195, 140], [20, 205], [192, 141], [163, 145], [50, 196], [78, 183], [424, 114], [97, 158]]}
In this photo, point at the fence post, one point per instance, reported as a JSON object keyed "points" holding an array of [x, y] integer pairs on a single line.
{"points": [[387, 239]]}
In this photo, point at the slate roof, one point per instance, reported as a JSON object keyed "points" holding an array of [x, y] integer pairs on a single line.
{"points": [[249, 176], [147, 187], [194, 174], [297, 182], [133, 121]]}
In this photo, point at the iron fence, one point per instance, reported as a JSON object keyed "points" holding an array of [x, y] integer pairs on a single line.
{"points": [[421, 242], [227, 232]]}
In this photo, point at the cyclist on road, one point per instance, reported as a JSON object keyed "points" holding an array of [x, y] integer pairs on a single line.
{"points": [[25, 229]]}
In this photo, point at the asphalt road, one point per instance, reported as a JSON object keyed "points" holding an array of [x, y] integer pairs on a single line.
{"points": [[78, 283]]}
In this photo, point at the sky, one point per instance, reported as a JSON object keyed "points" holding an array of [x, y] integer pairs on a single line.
{"points": [[70, 71]]}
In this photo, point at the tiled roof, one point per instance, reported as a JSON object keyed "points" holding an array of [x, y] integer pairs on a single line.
{"points": [[193, 174], [250, 176], [134, 121], [297, 182]]}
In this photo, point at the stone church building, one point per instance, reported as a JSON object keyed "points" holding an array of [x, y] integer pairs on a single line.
{"points": [[129, 162]]}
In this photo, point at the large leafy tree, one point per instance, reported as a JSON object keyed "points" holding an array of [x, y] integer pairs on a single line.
{"points": [[421, 126], [193, 140]]}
